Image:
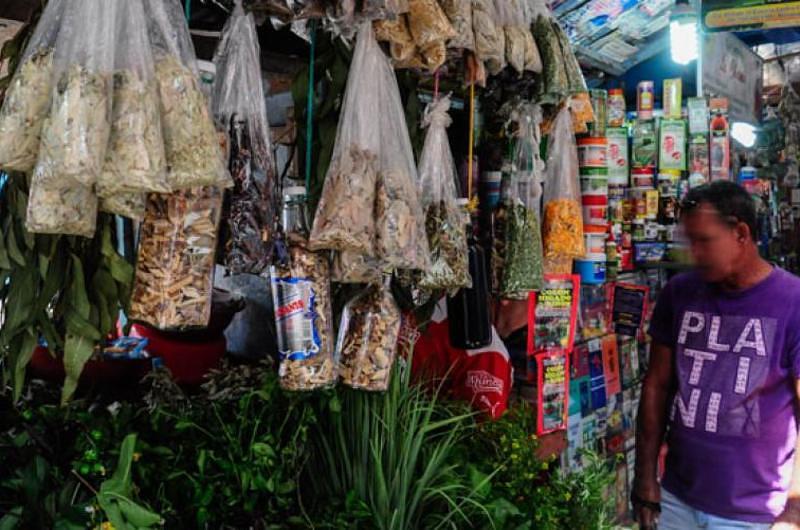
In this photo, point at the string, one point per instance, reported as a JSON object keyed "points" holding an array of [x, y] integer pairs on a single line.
{"points": [[310, 103], [436, 85], [471, 133]]}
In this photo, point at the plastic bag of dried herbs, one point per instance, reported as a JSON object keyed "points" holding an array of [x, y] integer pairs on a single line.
{"points": [[135, 161], [75, 135], [27, 98], [552, 86], [367, 341], [344, 218], [523, 269], [193, 150], [460, 14], [444, 226], [428, 23], [240, 108], [175, 262], [563, 221], [489, 36]]}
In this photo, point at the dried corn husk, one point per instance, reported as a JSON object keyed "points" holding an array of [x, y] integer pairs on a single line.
{"points": [[302, 300], [367, 340], [25, 107], [175, 263], [194, 155]]}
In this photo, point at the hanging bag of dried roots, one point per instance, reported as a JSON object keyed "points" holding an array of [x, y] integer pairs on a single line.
{"points": [[135, 161], [344, 218], [367, 341], [194, 153], [563, 220], [240, 109], [460, 14], [490, 42], [27, 98], [444, 225], [175, 262], [522, 270], [75, 135]]}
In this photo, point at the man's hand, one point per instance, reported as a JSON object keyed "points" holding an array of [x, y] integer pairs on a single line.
{"points": [[790, 518], [646, 516]]}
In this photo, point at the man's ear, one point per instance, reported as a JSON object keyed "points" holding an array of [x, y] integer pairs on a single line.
{"points": [[743, 233]]}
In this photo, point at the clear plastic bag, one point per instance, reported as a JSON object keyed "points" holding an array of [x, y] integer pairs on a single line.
{"points": [[127, 204], [367, 342], [240, 108], [175, 262], [352, 267], [383, 9], [489, 35], [428, 23], [344, 217], [75, 136], [301, 294], [460, 14], [396, 33], [27, 98], [56, 206], [523, 261], [192, 146], [563, 219], [135, 160], [444, 225]]}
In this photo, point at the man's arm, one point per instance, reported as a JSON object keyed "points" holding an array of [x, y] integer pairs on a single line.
{"points": [[651, 425], [790, 518]]}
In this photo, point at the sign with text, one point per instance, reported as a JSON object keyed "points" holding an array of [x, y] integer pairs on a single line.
{"points": [[739, 15], [732, 70]]}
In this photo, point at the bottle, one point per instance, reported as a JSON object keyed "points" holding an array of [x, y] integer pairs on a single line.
{"points": [[612, 258], [301, 296], [468, 310]]}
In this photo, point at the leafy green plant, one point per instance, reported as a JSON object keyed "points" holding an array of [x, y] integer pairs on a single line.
{"points": [[389, 459]]}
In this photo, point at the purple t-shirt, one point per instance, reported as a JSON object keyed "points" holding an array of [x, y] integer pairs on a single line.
{"points": [[732, 424]]}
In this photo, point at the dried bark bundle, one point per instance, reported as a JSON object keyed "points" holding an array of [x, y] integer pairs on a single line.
{"points": [[301, 291], [135, 159], [25, 107], [175, 264], [194, 155], [368, 340]]}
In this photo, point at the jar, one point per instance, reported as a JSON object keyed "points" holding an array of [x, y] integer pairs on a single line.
{"points": [[642, 177], [593, 153], [645, 100], [616, 107]]}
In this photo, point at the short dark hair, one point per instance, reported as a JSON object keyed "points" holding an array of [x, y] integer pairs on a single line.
{"points": [[733, 203]]}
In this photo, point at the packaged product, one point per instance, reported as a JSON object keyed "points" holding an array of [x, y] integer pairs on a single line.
{"points": [[240, 109]]}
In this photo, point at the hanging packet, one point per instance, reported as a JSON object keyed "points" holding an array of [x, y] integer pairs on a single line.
{"points": [[175, 261], [460, 14], [135, 161], [563, 223], [240, 108], [522, 267], [367, 341], [193, 150], [444, 224], [27, 98], [489, 37]]}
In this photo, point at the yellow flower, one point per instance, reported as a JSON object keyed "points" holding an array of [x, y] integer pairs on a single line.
{"points": [[136, 457], [107, 526], [567, 496]]}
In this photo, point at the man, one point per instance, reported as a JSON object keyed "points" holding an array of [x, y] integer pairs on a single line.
{"points": [[722, 387]]}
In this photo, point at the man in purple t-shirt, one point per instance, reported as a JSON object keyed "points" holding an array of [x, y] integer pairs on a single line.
{"points": [[722, 387]]}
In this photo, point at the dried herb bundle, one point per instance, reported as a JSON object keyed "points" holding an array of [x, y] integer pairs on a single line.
{"points": [[449, 253], [368, 340], [522, 270], [175, 263]]}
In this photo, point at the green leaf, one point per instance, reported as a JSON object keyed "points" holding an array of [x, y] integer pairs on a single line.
{"points": [[78, 298], [120, 270], [20, 301], [5, 263], [11, 520], [81, 327], [23, 357], [77, 350], [13, 249]]}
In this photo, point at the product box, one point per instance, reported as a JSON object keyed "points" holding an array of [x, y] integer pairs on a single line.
{"points": [[672, 145], [589, 432], [698, 116], [698, 158], [597, 378], [574, 442], [673, 95], [628, 360], [618, 157], [611, 365]]}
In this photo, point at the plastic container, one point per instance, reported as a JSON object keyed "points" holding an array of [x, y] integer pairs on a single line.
{"points": [[595, 210], [645, 100], [593, 152], [747, 173], [591, 269], [594, 184], [643, 177], [616, 107], [595, 240]]}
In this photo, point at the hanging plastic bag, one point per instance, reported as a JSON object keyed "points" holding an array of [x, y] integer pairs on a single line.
{"points": [[489, 36], [523, 268], [27, 98], [552, 86], [428, 23], [444, 224], [135, 160], [352, 267], [240, 107], [396, 33], [127, 204], [194, 154], [344, 218], [563, 221], [175, 262], [75, 135], [56, 206], [367, 341], [383, 9], [515, 34], [460, 14]]}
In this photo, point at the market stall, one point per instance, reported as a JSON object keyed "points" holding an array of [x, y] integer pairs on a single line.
{"points": [[357, 214]]}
